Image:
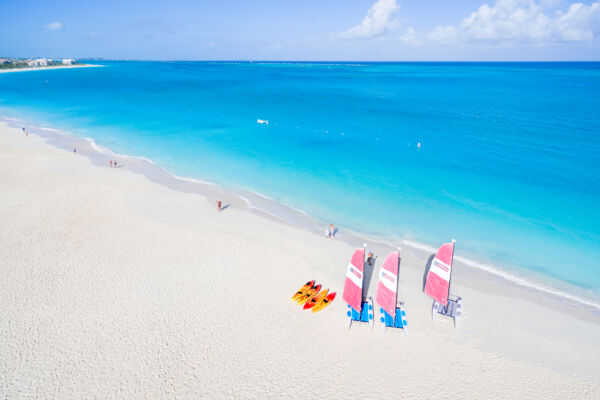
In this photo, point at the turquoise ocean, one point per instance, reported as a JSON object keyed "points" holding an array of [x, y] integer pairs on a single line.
{"points": [[503, 157]]}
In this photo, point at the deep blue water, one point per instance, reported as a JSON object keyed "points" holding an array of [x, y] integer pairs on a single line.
{"points": [[508, 164]]}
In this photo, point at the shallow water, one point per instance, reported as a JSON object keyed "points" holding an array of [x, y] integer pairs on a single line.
{"points": [[507, 165]]}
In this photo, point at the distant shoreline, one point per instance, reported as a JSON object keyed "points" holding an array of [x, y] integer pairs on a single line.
{"points": [[2, 71]]}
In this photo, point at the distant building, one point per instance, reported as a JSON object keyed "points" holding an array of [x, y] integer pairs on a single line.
{"points": [[68, 61], [40, 62]]}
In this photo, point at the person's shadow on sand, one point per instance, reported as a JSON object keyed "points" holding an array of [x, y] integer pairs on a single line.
{"points": [[225, 206]]}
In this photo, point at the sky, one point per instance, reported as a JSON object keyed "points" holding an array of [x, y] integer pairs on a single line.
{"points": [[319, 30]]}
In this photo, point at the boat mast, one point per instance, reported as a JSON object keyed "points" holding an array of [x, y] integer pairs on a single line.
{"points": [[451, 269], [362, 284], [398, 276]]}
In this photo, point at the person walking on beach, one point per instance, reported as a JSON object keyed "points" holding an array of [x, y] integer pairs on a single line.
{"points": [[111, 163], [331, 231], [218, 205], [25, 132], [74, 150]]}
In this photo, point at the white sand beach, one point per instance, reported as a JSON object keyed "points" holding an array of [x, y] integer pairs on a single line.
{"points": [[115, 286], [2, 71]]}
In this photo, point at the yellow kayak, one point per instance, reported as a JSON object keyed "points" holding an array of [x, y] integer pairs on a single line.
{"points": [[303, 290], [310, 293], [316, 299], [324, 303]]}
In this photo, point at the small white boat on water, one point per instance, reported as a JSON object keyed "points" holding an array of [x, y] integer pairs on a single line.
{"points": [[262, 121]]}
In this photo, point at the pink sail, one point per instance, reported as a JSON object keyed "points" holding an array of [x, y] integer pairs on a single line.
{"points": [[387, 287], [354, 280], [437, 285]]}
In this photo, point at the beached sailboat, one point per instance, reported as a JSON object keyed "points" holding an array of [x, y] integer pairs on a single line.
{"points": [[393, 314], [437, 285], [358, 310]]}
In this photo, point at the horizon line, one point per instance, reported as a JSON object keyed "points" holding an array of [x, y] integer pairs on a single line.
{"points": [[302, 61], [337, 61]]}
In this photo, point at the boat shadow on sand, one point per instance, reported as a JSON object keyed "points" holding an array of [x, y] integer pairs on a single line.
{"points": [[427, 268], [368, 275]]}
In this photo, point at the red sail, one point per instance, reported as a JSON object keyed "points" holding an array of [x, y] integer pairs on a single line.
{"points": [[387, 287], [354, 280], [437, 285]]}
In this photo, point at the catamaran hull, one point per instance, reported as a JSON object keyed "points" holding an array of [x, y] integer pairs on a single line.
{"points": [[397, 321], [365, 314], [349, 315], [371, 312], [452, 310]]}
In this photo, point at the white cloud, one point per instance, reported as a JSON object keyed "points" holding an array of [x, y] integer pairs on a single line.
{"points": [[524, 21], [410, 37], [378, 21], [54, 26], [444, 34], [580, 23]]}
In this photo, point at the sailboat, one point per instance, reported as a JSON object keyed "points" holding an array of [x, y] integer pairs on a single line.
{"points": [[393, 314], [437, 285], [358, 310]]}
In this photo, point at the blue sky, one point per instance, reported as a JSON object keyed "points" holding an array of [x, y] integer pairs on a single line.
{"points": [[375, 30]]}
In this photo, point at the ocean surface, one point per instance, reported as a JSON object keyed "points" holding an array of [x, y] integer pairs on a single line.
{"points": [[503, 157]]}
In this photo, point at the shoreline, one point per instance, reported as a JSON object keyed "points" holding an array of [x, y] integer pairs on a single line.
{"points": [[25, 69], [122, 286], [553, 290]]}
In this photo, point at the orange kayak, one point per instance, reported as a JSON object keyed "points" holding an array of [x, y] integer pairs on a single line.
{"points": [[303, 290], [310, 293], [316, 299], [324, 303]]}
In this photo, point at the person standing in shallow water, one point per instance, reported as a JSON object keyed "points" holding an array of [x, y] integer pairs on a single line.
{"points": [[371, 259], [331, 231]]}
